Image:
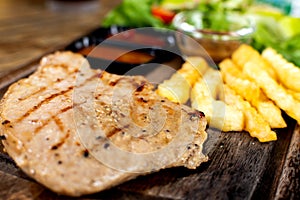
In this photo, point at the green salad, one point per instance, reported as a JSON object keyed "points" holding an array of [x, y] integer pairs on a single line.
{"points": [[273, 27]]}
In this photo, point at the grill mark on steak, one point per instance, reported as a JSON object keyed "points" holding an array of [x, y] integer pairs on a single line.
{"points": [[59, 144], [114, 82], [41, 89], [140, 88], [63, 66], [5, 122], [52, 96], [101, 74], [59, 123], [46, 100], [113, 132], [55, 118], [32, 94]]}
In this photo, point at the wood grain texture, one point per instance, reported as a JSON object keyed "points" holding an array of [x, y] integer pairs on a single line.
{"points": [[289, 182], [29, 29]]}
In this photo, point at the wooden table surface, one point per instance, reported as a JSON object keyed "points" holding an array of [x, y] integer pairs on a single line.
{"points": [[239, 167], [31, 28]]}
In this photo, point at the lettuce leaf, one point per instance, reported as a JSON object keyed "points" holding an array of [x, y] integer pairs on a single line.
{"points": [[133, 13], [270, 33]]}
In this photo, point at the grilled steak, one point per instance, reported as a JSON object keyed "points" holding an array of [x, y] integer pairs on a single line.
{"points": [[79, 130]]}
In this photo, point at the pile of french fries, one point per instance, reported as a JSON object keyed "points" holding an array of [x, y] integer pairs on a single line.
{"points": [[248, 93]]}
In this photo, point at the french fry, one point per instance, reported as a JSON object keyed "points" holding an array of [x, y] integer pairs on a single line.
{"points": [[177, 88], [254, 122], [237, 81], [243, 54], [228, 66], [246, 53], [196, 62], [201, 98], [295, 94], [273, 90], [251, 99], [218, 114], [251, 92], [270, 112], [226, 117], [287, 72], [214, 81]]}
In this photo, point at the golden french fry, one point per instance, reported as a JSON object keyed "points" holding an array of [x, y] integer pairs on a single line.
{"points": [[200, 88], [246, 53], [218, 114], [228, 66], [273, 90], [288, 73], [177, 88], [193, 68], [236, 80], [270, 112], [226, 117], [254, 122], [201, 98], [198, 63], [243, 54], [251, 92], [295, 94], [214, 81]]}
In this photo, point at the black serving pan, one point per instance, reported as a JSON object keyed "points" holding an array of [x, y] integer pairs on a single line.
{"points": [[122, 50]]}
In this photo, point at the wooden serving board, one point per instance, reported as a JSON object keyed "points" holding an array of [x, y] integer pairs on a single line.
{"points": [[239, 167]]}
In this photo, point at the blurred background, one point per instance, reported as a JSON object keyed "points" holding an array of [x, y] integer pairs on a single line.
{"points": [[31, 28]]}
